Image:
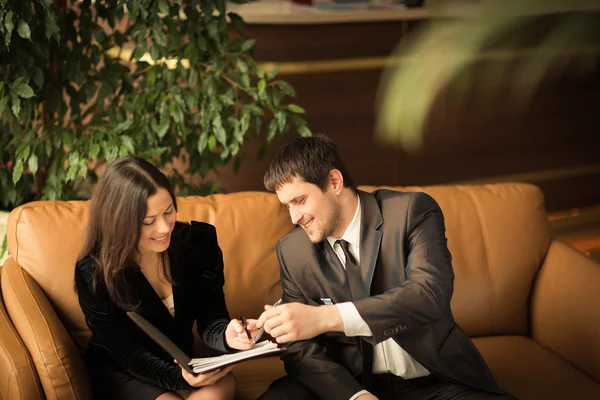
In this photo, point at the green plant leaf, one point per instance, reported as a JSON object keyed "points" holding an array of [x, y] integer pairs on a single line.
{"points": [[212, 143], [213, 29], [193, 77], [9, 24], [245, 80], [154, 53], [296, 109], [218, 130], [304, 131], [3, 103], [272, 74], [16, 106], [94, 150], [67, 140], [33, 164], [26, 152], [202, 142], [23, 30], [38, 77], [287, 88], [162, 128], [163, 7], [4, 248], [237, 21], [127, 142], [17, 171], [280, 118], [140, 50], [24, 90], [271, 130], [248, 44], [123, 126]]}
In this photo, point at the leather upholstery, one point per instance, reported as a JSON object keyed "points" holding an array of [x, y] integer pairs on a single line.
{"points": [[530, 371], [565, 307], [497, 234], [18, 380]]}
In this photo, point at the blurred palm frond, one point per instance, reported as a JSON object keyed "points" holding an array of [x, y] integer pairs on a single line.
{"points": [[439, 55]]}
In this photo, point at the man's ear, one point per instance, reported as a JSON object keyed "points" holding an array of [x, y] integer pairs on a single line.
{"points": [[336, 180]]}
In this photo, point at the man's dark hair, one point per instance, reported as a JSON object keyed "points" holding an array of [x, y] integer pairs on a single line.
{"points": [[310, 158]]}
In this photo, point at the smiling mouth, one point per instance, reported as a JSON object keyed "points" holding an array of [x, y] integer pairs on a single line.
{"points": [[309, 223], [161, 239]]}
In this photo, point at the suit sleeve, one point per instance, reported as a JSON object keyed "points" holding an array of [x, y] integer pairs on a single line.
{"points": [[425, 295], [213, 317], [307, 360], [114, 331]]}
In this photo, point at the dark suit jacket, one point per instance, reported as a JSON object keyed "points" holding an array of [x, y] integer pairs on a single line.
{"points": [[407, 267], [196, 266]]}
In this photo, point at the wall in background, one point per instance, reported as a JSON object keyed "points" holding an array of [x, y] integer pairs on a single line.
{"points": [[336, 70]]}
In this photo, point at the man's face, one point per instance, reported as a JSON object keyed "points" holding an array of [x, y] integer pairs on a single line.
{"points": [[317, 212]]}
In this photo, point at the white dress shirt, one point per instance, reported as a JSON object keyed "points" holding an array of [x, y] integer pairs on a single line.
{"points": [[388, 356]]}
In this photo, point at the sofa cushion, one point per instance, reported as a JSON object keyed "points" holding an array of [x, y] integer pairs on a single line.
{"points": [[565, 306], [531, 372], [497, 235], [254, 376]]}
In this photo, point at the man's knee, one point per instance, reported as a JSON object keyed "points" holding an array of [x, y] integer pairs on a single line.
{"points": [[287, 388]]}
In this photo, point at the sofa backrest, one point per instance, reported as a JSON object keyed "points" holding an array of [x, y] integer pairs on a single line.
{"points": [[45, 239], [498, 235]]}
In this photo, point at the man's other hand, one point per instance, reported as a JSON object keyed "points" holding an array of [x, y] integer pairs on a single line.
{"points": [[295, 321]]}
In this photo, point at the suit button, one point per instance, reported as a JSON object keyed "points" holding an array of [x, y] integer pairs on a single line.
{"points": [[402, 327], [388, 332]]}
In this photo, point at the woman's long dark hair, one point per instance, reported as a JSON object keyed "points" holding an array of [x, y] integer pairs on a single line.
{"points": [[117, 209]]}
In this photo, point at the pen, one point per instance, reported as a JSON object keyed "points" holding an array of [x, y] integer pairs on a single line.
{"points": [[262, 330], [246, 327]]}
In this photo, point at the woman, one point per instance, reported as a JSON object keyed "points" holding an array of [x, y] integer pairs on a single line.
{"points": [[137, 256]]}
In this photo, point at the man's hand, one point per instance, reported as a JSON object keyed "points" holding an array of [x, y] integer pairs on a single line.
{"points": [[296, 321], [236, 336]]}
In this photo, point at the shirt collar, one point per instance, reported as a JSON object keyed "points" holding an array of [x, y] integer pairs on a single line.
{"points": [[352, 233]]}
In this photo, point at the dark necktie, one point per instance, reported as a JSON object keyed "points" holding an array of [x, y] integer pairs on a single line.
{"points": [[358, 292]]}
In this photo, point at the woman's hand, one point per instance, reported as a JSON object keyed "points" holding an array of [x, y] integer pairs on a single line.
{"points": [[236, 336], [209, 378]]}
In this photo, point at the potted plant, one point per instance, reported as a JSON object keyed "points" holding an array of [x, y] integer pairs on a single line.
{"points": [[86, 82]]}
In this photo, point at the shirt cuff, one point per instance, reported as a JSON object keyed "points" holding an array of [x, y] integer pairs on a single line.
{"points": [[354, 324], [359, 394]]}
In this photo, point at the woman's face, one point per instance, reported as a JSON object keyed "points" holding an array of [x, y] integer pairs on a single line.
{"points": [[158, 223]]}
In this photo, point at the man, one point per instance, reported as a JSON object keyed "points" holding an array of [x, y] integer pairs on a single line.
{"points": [[367, 281]]}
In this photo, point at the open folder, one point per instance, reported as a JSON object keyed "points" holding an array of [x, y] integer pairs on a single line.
{"points": [[202, 365]]}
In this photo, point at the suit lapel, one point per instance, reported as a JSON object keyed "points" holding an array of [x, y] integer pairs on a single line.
{"points": [[370, 236]]}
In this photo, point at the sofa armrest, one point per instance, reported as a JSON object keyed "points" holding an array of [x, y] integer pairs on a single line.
{"points": [[19, 379], [565, 307], [59, 365]]}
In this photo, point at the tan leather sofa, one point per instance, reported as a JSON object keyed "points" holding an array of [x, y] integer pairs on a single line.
{"points": [[18, 379], [532, 304]]}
